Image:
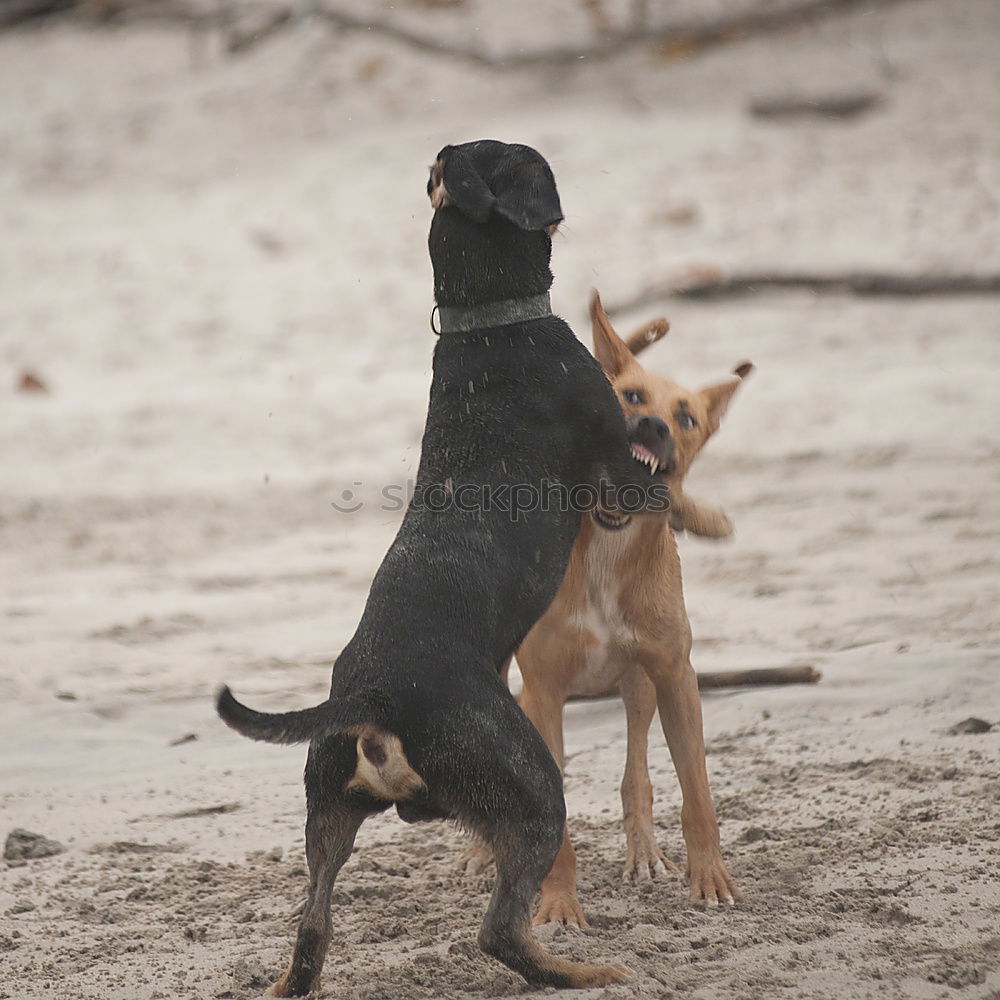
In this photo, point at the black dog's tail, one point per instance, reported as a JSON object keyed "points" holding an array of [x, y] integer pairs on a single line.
{"points": [[293, 727]]}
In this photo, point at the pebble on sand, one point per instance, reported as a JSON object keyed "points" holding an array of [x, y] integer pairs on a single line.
{"points": [[970, 725], [23, 845]]}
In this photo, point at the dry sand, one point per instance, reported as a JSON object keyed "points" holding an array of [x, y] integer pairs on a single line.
{"points": [[220, 272]]}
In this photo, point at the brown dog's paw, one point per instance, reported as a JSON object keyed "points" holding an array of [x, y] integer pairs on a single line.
{"points": [[475, 859], [702, 519], [560, 908], [711, 883], [644, 860]]}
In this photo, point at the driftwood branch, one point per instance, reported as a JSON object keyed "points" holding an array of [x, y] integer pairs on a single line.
{"points": [[801, 674], [798, 674], [845, 104], [15, 11], [190, 12], [241, 38], [867, 283], [672, 39], [684, 38]]}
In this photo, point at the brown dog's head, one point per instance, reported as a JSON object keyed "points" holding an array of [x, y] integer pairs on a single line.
{"points": [[667, 424]]}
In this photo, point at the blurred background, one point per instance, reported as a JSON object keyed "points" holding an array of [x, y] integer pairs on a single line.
{"points": [[214, 305]]}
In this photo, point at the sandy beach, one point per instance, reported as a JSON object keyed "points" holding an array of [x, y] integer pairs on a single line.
{"points": [[217, 269]]}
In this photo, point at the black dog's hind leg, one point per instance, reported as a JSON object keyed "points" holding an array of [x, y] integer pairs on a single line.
{"points": [[333, 819], [523, 860], [330, 833], [514, 801]]}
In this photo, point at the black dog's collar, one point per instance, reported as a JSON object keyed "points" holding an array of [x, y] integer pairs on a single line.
{"points": [[461, 319]]}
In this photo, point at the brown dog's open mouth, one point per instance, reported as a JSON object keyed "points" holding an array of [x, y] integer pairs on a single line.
{"points": [[609, 521], [656, 463]]}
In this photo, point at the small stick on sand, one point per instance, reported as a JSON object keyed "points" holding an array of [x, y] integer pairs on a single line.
{"points": [[846, 104], [15, 11], [797, 674], [712, 284]]}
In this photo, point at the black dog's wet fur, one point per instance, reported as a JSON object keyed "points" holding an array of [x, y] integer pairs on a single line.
{"points": [[454, 597]]}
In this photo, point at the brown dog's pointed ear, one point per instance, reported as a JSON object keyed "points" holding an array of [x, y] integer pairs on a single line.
{"points": [[717, 397], [610, 350], [647, 335]]}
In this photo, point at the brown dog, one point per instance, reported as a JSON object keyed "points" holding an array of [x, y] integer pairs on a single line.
{"points": [[619, 618]]}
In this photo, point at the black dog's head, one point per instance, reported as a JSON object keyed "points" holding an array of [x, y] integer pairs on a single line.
{"points": [[496, 207], [506, 179]]}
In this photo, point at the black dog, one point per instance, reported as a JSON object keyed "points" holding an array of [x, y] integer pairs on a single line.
{"points": [[417, 714]]}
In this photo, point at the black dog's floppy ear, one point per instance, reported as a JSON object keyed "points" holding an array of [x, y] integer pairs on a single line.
{"points": [[486, 176], [526, 190], [459, 182]]}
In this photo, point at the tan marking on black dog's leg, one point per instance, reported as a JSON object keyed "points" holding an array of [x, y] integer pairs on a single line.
{"points": [[329, 841], [522, 861], [383, 770]]}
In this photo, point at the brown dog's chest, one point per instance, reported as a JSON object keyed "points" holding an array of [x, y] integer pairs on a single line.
{"points": [[621, 598], [604, 612]]}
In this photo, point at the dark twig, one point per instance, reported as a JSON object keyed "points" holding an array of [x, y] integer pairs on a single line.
{"points": [[866, 283], [799, 674], [676, 38], [14, 11], [240, 39], [848, 104]]}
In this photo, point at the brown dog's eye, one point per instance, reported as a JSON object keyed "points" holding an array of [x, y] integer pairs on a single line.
{"points": [[634, 396], [685, 421]]}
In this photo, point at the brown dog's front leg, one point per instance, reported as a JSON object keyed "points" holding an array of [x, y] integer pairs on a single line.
{"points": [[643, 855], [680, 714], [702, 519]]}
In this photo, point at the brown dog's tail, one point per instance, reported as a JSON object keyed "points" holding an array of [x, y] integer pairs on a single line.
{"points": [[294, 727]]}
